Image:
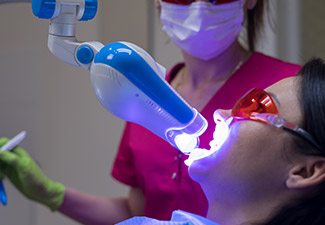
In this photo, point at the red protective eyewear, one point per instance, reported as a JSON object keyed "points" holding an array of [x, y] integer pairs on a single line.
{"points": [[258, 105], [188, 2]]}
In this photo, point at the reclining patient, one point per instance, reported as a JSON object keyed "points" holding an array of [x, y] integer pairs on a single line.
{"points": [[267, 169]]}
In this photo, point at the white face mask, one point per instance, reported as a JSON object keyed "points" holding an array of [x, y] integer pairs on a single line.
{"points": [[202, 29]]}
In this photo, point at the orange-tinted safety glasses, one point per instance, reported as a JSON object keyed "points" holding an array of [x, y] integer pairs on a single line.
{"points": [[258, 105], [188, 2]]}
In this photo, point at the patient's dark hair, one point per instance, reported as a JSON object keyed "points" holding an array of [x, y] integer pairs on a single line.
{"points": [[309, 210], [255, 22]]}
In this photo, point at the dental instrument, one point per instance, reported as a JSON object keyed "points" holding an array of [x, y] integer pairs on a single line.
{"points": [[12, 143]]}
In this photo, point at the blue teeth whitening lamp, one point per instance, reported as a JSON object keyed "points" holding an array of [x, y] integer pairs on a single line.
{"points": [[126, 79]]}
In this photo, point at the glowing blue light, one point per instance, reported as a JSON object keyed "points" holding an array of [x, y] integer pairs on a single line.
{"points": [[185, 142], [220, 135]]}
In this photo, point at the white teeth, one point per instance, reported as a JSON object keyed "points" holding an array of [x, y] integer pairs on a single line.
{"points": [[220, 135]]}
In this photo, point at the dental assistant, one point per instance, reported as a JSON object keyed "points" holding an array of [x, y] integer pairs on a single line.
{"points": [[215, 72]]}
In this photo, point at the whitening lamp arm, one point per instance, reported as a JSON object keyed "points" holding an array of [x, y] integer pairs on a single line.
{"points": [[63, 16], [126, 79]]}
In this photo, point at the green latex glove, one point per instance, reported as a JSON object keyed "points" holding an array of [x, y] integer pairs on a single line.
{"points": [[3, 141], [28, 178]]}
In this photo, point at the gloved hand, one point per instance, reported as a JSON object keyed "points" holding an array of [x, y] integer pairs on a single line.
{"points": [[3, 195], [3, 141], [28, 178]]}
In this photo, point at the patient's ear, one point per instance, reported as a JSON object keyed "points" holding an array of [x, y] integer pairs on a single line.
{"points": [[309, 173]]}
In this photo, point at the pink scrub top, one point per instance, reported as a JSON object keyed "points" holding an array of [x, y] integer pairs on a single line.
{"points": [[147, 162]]}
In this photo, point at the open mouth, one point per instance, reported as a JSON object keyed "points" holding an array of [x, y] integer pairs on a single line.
{"points": [[220, 135]]}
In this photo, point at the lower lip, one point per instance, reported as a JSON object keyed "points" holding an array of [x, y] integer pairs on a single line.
{"points": [[197, 154]]}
